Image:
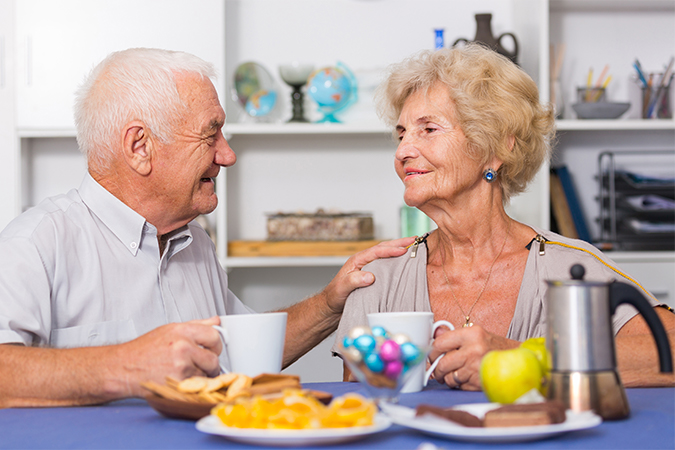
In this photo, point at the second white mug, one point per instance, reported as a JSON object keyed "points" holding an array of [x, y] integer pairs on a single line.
{"points": [[420, 327], [253, 343]]}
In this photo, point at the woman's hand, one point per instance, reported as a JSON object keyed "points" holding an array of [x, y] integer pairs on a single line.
{"points": [[464, 349]]}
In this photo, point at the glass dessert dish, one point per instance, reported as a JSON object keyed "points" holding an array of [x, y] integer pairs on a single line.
{"points": [[382, 362]]}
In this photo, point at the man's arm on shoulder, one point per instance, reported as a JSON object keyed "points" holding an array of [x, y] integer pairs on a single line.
{"points": [[314, 319], [31, 376]]}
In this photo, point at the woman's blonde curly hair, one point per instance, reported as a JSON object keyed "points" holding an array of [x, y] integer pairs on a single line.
{"points": [[494, 99]]}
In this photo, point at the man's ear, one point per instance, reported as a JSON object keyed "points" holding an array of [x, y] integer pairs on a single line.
{"points": [[137, 147]]}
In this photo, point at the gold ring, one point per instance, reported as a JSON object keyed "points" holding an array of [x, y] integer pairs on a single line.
{"points": [[454, 377]]}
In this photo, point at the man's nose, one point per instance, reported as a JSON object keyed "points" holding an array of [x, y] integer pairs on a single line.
{"points": [[224, 156]]}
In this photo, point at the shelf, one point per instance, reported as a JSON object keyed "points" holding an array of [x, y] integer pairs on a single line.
{"points": [[294, 261], [284, 249], [611, 5], [305, 128], [618, 125], [46, 132], [641, 256]]}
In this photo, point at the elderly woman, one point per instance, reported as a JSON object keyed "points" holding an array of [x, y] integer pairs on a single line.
{"points": [[472, 134]]}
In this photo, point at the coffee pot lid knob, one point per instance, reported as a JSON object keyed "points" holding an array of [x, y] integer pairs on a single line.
{"points": [[577, 271]]}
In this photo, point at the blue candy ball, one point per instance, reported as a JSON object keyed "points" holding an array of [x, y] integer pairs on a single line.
{"points": [[365, 343], [347, 342], [409, 352], [374, 362], [379, 331]]}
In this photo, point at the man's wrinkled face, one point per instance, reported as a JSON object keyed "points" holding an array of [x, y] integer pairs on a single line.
{"points": [[186, 167]]}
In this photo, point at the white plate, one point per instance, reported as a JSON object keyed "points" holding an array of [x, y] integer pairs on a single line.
{"points": [[442, 428], [291, 438]]}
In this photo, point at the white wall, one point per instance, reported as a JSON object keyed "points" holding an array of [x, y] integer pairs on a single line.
{"points": [[10, 166]]}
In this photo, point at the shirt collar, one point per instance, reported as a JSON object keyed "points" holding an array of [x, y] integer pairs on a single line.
{"points": [[125, 223]]}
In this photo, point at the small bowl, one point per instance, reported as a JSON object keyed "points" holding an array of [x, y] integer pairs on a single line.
{"points": [[600, 110], [362, 358]]}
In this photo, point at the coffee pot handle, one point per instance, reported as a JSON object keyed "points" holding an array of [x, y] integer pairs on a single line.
{"points": [[625, 293]]}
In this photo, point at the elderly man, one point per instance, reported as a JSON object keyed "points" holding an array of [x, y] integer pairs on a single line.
{"points": [[113, 283]]}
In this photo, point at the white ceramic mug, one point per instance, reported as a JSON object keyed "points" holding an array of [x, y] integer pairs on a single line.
{"points": [[253, 343], [420, 328]]}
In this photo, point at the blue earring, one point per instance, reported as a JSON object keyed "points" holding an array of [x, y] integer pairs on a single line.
{"points": [[489, 175]]}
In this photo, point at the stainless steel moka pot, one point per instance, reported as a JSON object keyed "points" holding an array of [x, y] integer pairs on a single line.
{"points": [[580, 341]]}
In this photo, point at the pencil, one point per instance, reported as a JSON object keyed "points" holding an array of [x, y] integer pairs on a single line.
{"points": [[641, 75], [647, 96], [598, 92], [665, 81], [602, 76]]}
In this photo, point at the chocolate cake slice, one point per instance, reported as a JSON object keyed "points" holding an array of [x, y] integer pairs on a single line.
{"points": [[522, 415], [454, 415]]}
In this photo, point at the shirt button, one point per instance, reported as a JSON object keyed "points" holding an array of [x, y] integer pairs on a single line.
{"points": [[133, 245]]}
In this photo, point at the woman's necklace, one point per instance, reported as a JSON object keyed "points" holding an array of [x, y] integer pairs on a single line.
{"points": [[467, 317]]}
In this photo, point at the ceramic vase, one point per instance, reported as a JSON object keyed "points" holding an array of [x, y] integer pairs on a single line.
{"points": [[485, 36]]}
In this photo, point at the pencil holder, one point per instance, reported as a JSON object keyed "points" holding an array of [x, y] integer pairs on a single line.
{"points": [[590, 95], [656, 103]]}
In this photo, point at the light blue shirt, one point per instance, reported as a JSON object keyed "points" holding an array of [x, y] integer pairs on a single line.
{"points": [[84, 269]]}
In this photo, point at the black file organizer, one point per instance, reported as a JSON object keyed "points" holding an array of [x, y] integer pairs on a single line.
{"points": [[618, 217]]}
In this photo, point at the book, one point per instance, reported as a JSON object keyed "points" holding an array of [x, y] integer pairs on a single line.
{"points": [[573, 203], [560, 209]]}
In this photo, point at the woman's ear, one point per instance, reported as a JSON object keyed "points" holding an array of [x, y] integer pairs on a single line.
{"points": [[511, 142], [137, 147]]}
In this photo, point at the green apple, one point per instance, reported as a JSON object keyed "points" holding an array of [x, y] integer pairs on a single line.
{"points": [[508, 374], [538, 346]]}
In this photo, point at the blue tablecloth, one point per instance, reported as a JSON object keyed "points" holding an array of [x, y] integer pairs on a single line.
{"points": [[132, 424]]}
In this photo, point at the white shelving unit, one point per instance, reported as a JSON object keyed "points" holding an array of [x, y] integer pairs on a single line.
{"points": [[614, 125], [236, 129], [615, 33], [305, 166]]}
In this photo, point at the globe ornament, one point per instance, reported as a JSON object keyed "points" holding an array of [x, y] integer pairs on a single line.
{"points": [[334, 89], [255, 92], [261, 103]]}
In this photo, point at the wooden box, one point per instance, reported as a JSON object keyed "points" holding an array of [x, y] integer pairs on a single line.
{"points": [[319, 227]]}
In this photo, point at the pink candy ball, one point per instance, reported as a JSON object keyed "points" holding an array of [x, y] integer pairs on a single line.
{"points": [[390, 351], [393, 369]]}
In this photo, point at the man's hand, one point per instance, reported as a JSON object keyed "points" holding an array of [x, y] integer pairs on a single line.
{"points": [[351, 277], [312, 320], [31, 376], [178, 350]]}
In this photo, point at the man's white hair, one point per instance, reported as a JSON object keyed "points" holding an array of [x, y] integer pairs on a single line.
{"points": [[134, 84]]}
